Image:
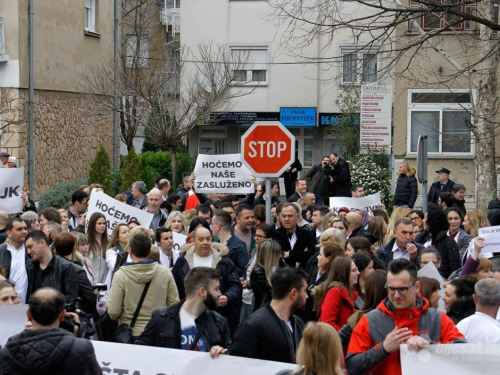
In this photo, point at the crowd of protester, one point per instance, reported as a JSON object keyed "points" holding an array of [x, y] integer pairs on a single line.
{"points": [[342, 284]]}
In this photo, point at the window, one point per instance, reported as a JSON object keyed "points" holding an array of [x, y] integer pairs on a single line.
{"points": [[137, 53], [254, 60], [430, 20], [358, 66], [443, 116], [90, 13]]}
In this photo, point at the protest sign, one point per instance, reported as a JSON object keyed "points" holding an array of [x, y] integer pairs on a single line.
{"points": [[457, 359], [430, 271], [370, 202], [115, 211], [179, 240], [222, 174], [11, 187], [491, 237], [13, 318]]}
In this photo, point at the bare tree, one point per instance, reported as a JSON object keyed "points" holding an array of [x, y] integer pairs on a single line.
{"points": [[411, 37], [165, 91]]}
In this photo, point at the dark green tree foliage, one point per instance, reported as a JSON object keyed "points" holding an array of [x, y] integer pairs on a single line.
{"points": [[131, 170], [100, 171], [154, 164], [59, 196]]}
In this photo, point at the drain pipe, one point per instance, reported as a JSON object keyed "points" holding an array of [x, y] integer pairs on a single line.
{"points": [[31, 98]]}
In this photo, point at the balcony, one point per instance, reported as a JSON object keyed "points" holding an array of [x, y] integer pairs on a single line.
{"points": [[172, 17]]}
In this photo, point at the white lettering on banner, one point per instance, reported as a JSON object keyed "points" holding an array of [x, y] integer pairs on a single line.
{"points": [[11, 187], [370, 202], [267, 148], [179, 240], [115, 211], [456, 359], [491, 237], [227, 174]]}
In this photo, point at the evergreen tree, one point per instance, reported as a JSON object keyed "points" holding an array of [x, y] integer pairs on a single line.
{"points": [[131, 169], [100, 171]]}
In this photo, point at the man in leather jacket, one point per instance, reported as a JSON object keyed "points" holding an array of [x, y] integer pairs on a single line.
{"points": [[191, 324]]}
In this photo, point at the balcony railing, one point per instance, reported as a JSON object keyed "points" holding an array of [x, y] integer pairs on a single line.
{"points": [[172, 17]]}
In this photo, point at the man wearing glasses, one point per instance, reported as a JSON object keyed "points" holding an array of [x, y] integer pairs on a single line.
{"points": [[429, 255], [403, 317]]}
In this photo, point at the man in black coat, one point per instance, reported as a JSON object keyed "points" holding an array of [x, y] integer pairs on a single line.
{"points": [[273, 332], [494, 212], [290, 177], [300, 190], [442, 185], [205, 254], [318, 181], [48, 349], [406, 187], [401, 246], [170, 327], [340, 183], [297, 243]]}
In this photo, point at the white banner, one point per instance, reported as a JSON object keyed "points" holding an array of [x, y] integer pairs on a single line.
{"points": [[179, 240], [115, 211], [135, 359], [491, 237], [370, 202], [376, 117], [430, 271], [11, 187], [222, 174], [456, 359]]}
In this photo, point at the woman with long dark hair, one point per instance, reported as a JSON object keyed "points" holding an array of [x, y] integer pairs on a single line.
{"points": [[97, 234], [436, 234], [455, 220], [334, 299]]}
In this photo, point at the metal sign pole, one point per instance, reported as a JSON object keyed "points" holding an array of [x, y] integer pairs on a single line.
{"points": [[422, 168], [268, 201]]}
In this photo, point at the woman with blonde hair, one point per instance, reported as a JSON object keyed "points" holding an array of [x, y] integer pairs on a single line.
{"points": [[319, 352], [117, 245], [472, 222], [268, 259], [332, 234], [177, 222], [80, 254], [378, 227]]}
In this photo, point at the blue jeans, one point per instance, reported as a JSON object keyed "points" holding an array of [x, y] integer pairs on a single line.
{"points": [[245, 311], [319, 199]]}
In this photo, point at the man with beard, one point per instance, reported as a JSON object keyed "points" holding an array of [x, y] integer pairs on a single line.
{"points": [[193, 323], [273, 332]]}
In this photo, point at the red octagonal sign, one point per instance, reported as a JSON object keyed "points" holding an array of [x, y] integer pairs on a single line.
{"points": [[268, 148]]}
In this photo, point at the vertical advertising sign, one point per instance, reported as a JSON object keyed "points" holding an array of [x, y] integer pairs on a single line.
{"points": [[376, 118]]}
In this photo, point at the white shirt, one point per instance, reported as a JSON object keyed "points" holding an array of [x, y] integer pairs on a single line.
{"points": [[202, 261], [470, 250], [164, 259], [18, 270], [480, 328], [397, 253]]}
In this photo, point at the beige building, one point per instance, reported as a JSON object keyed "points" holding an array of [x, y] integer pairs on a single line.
{"points": [[71, 38]]}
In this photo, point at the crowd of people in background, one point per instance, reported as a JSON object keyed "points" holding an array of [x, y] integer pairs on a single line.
{"points": [[343, 284]]}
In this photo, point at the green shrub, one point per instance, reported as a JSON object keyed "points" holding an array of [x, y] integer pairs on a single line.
{"points": [[100, 171], [59, 196], [131, 170]]}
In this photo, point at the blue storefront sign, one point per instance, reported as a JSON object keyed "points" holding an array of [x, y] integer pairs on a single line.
{"points": [[294, 116]]}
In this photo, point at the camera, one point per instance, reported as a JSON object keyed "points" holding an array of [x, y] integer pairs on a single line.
{"points": [[327, 167]]}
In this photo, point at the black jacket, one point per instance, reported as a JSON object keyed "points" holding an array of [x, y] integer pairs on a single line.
{"points": [[304, 247], [435, 190], [60, 274], [447, 248], [85, 290], [260, 286], [386, 256], [164, 329], [48, 352], [341, 186], [317, 181], [461, 309], [494, 212], [294, 197], [406, 189], [289, 178], [460, 205], [263, 335], [6, 259], [230, 284], [360, 231]]}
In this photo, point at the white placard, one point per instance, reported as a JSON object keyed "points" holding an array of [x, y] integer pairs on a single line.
{"points": [[12, 320], [491, 237], [370, 202], [11, 187], [430, 271], [376, 117], [222, 174], [456, 359], [115, 211], [179, 240]]}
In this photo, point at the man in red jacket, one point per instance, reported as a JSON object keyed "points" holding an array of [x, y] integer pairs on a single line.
{"points": [[404, 317]]}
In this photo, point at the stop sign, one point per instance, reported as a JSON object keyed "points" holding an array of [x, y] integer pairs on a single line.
{"points": [[268, 148]]}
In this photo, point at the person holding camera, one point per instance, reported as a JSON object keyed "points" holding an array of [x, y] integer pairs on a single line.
{"points": [[319, 178]]}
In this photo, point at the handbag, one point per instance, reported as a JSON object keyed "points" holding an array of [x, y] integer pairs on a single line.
{"points": [[123, 333]]}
